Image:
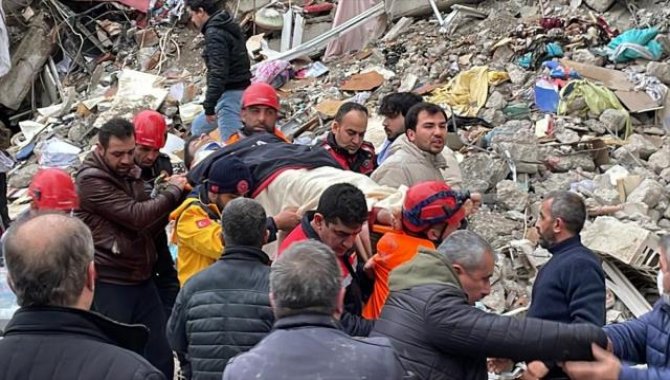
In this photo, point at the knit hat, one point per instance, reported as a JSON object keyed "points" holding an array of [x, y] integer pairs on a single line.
{"points": [[431, 203], [229, 175]]}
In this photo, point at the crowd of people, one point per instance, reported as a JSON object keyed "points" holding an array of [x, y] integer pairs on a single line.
{"points": [[347, 289]]}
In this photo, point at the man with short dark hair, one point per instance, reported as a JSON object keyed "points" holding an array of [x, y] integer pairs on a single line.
{"points": [[338, 219], [228, 65], [306, 296], [419, 155], [345, 142], [394, 108], [124, 220], [570, 287], [225, 310], [53, 335], [437, 331]]}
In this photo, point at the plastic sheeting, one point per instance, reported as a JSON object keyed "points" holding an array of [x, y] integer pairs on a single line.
{"points": [[467, 92], [596, 99], [5, 59], [358, 37], [634, 44]]}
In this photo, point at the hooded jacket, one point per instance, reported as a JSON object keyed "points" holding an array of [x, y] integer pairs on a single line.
{"points": [[226, 58], [408, 165], [438, 335], [123, 220], [59, 343]]}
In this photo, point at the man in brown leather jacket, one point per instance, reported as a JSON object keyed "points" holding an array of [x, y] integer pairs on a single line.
{"points": [[123, 220]]}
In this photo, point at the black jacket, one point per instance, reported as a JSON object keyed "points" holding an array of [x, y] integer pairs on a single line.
{"points": [[438, 335], [222, 311], [226, 58], [302, 346], [70, 344]]}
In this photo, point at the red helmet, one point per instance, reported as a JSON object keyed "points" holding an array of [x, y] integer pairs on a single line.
{"points": [[150, 129], [53, 189], [430, 203], [260, 94]]}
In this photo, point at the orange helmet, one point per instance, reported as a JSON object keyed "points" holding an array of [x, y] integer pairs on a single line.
{"points": [[53, 189], [430, 203], [260, 94], [150, 129]]}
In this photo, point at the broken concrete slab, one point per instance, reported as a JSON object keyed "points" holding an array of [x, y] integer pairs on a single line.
{"points": [[660, 160], [27, 62], [614, 119], [511, 196], [482, 167], [626, 242], [649, 191]]}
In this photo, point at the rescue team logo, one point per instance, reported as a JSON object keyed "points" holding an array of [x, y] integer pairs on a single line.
{"points": [[242, 187], [202, 223]]}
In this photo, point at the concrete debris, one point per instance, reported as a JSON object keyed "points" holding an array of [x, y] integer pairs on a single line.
{"points": [[660, 160], [614, 119], [649, 192], [660, 70], [511, 196]]}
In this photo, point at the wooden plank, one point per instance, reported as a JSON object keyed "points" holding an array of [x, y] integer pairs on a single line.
{"points": [[612, 79], [637, 101]]}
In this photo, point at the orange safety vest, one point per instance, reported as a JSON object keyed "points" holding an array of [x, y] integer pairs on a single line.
{"points": [[393, 249], [235, 137]]}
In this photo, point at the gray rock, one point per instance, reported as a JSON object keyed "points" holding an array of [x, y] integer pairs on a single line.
{"points": [[496, 101], [510, 196], [660, 160], [655, 215], [600, 5], [665, 174], [22, 177], [582, 161], [664, 223], [517, 75], [632, 208], [649, 191], [609, 196], [585, 56], [77, 132], [556, 182], [482, 167], [660, 70], [567, 136], [642, 145], [495, 228], [614, 119], [625, 156], [596, 126]]}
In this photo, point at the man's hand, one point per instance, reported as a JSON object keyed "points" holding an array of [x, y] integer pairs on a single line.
{"points": [[605, 367], [476, 201], [179, 181], [499, 365], [211, 119], [287, 219], [536, 370]]}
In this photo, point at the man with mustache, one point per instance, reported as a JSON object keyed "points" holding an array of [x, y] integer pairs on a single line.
{"points": [[417, 156], [260, 111], [345, 141], [124, 220], [570, 287]]}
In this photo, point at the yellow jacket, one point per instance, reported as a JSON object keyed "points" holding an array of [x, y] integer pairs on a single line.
{"points": [[197, 235]]}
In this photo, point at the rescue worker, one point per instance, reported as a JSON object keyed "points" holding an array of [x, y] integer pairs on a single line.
{"points": [[51, 189], [197, 230], [345, 141], [338, 219], [260, 109], [431, 212], [150, 138]]}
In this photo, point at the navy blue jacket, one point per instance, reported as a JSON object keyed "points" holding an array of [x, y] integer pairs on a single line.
{"points": [[645, 340], [570, 288], [311, 346]]}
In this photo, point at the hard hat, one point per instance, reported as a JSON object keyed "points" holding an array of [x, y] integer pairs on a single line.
{"points": [[53, 189], [431, 203], [150, 129], [260, 94]]}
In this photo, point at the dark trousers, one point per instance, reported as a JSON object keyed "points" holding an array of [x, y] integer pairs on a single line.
{"points": [[4, 213], [138, 304]]}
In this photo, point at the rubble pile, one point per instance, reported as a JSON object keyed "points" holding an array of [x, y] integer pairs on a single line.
{"points": [[549, 96]]}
